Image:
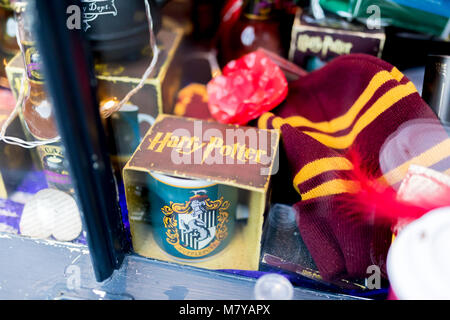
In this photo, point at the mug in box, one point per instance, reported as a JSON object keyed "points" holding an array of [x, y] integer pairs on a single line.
{"points": [[123, 129], [191, 219]]}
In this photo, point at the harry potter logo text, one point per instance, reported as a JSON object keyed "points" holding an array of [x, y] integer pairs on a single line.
{"points": [[238, 146]]}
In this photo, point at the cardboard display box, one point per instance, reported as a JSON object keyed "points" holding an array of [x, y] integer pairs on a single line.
{"points": [[314, 43], [247, 168], [115, 80]]}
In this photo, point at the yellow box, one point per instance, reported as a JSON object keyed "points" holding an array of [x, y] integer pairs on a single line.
{"points": [[117, 79], [314, 43], [251, 179]]}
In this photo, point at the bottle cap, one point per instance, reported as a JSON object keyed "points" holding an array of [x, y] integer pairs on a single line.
{"points": [[273, 287], [282, 216]]}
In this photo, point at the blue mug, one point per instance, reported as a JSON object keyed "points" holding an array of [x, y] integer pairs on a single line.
{"points": [[191, 219], [124, 126]]}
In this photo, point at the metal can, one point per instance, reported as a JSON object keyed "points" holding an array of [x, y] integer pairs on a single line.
{"points": [[436, 86]]}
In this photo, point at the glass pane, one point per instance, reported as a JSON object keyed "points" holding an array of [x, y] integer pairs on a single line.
{"points": [[244, 136], [37, 194]]}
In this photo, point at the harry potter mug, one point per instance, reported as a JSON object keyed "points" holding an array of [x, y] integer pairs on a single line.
{"points": [[124, 128], [191, 219]]}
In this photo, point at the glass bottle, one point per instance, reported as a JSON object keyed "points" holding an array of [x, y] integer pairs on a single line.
{"points": [[436, 87], [257, 27], [282, 237], [37, 110], [8, 40]]}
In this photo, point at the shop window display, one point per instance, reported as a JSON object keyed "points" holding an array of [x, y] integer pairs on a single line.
{"points": [[245, 139]]}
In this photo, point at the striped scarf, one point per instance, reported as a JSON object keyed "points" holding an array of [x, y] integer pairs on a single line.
{"points": [[355, 103]]}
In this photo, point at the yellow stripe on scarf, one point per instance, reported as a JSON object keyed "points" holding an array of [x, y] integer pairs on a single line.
{"points": [[185, 97], [320, 166], [262, 121], [396, 74], [381, 105], [332, 187], [425, 159], [342, 122]]}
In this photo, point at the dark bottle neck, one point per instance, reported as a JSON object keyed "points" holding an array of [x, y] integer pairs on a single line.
{"points": [[258, 9]]}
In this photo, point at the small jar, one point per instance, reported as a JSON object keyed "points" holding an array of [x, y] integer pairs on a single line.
{"points": [[282, 237]]}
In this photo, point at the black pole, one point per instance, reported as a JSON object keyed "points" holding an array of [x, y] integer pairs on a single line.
{"points": [[436, 86], [71, 84]]}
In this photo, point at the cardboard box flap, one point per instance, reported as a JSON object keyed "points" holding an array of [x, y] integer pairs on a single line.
{"points": [[243, 157]]}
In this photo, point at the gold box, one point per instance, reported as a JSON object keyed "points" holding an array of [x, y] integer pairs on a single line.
{"points": [[117, 79], [252, 180], [314, 42]]}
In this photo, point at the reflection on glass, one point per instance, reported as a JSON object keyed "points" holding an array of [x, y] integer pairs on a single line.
{"points": [[42, 206]]}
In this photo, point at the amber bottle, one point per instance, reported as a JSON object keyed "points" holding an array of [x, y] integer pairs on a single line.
{"points": [[37, 110]]}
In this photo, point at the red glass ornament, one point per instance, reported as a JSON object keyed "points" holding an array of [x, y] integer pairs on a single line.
{"points": [[249, 87]]}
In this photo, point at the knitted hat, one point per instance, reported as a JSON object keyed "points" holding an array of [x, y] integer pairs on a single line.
{"points": [[354, 103], [192, 101]]}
